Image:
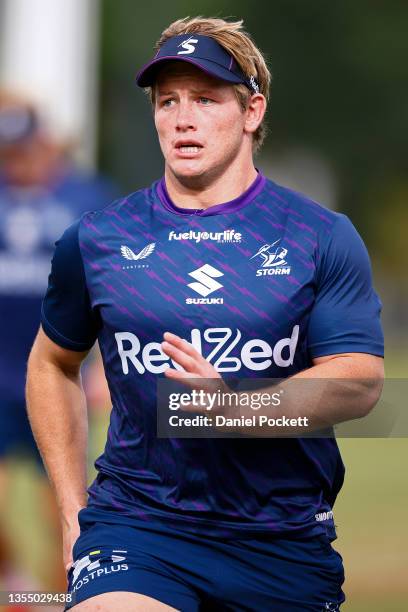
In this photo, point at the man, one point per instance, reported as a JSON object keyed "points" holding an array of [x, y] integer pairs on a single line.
{"points": [[41, 192], [239, 524]]}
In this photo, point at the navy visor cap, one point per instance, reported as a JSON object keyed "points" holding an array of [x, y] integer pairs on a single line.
{"points": [[201, 51]]}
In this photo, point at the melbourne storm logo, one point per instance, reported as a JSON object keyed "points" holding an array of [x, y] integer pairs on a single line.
{"points": [[273, 259]]}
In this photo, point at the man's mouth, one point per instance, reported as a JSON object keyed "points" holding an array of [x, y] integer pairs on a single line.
{"points": [[188, 147]]}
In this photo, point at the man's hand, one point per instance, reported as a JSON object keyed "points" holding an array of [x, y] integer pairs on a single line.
{"points": [[198, 373], [70, 534], [185, 355]]}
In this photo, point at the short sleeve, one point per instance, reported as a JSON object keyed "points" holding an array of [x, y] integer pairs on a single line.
{"points": [[346, 314], [66, 315]]}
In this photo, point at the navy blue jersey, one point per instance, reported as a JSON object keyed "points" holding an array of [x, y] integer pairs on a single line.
{"points": [[31, 219], [260, 286]]}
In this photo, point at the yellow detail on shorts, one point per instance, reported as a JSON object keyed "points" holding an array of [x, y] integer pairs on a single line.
{"points": [[95, 552]]}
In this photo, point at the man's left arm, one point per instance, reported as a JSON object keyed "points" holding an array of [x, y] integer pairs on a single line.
{"points": [[336, 388]]}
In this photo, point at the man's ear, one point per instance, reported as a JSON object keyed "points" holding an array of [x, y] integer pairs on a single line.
{"points": [[255, 112]]}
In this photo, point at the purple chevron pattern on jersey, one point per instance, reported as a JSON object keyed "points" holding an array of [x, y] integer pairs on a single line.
{"points": [[260, 286]]}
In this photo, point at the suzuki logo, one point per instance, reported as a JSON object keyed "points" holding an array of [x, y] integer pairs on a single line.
{"points": [[188, 46], [205, 277]]}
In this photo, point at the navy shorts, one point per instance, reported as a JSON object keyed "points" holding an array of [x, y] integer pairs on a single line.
{"points": [[191, 572]]}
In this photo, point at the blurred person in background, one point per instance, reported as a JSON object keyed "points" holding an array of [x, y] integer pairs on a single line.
{"points": [[193, 524], [41, 192]]}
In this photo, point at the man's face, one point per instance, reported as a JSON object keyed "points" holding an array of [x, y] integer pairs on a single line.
{"points": [[199, 122]]}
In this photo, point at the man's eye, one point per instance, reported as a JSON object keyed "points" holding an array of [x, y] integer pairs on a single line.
{"points": [[168, 102], [205, 101]]}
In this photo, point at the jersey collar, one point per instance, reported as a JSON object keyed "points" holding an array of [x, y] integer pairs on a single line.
{"points": [[218, 209]]}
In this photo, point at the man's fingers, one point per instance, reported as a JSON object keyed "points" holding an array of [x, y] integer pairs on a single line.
{"points": [[183, 345], [186, 377], [185, 355], [68, 567], [187, 362]]}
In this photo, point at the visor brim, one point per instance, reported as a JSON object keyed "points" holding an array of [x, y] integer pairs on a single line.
{"points": [[147, 75]]}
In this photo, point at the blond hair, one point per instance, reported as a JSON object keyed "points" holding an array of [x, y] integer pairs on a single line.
{"points": [[238, 43]]}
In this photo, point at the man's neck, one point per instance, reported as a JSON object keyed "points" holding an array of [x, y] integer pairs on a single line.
{"points": [[201, 194]]}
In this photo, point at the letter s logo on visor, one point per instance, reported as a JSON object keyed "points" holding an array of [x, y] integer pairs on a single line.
{"points": [[188, 46]]}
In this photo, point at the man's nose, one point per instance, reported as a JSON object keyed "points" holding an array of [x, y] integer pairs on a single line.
{"points": [[185, 116]]}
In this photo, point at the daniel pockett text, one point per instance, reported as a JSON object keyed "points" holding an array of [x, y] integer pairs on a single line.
{"points": [[235, 423]]}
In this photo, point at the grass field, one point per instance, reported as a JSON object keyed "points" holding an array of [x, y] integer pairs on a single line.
{"points": [[371, 516]]}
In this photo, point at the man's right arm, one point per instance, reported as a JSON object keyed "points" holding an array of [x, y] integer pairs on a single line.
{"points": [[57, 411]]}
